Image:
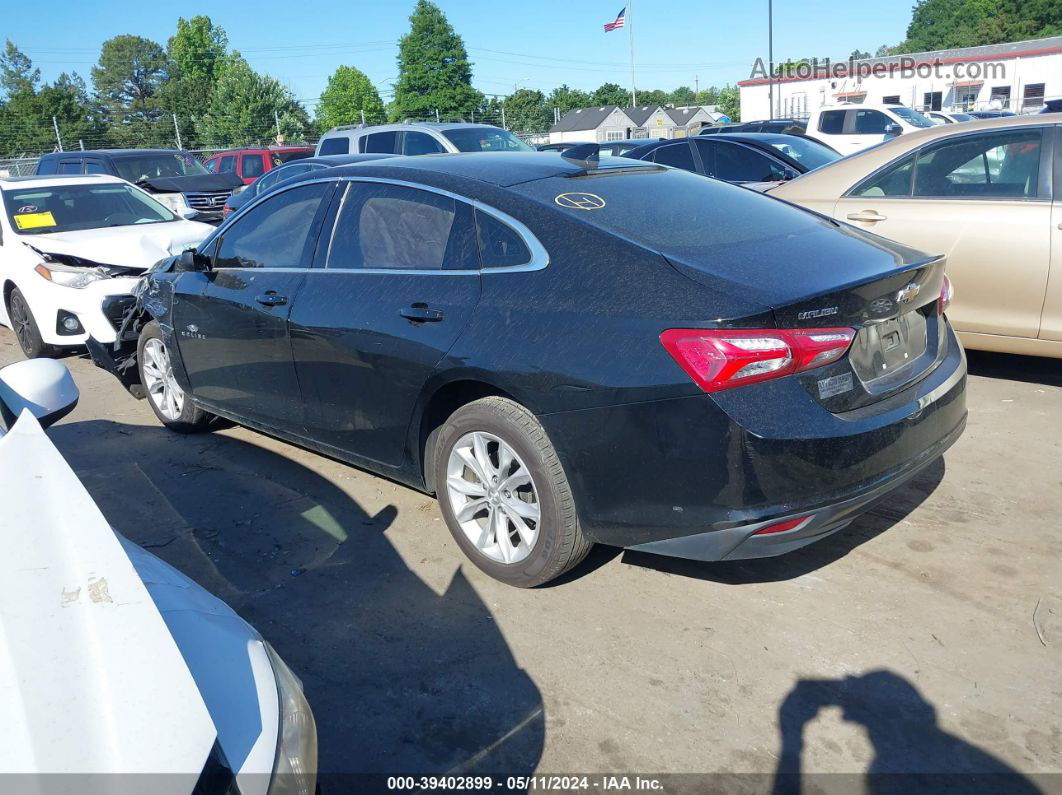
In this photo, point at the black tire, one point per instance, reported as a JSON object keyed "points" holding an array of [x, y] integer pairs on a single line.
{"points": [[560, 543], [190, 419], [25, 327]]}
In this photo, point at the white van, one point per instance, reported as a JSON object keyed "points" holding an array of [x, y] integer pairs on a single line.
{"points": [[418, 138], [850, 128]]}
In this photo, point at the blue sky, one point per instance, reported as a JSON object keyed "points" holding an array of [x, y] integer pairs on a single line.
{"points": [[537, 44]]}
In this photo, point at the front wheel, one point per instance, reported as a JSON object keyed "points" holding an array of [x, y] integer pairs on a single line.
{"points": [[168, 400], [25, 327], [504, 494]]}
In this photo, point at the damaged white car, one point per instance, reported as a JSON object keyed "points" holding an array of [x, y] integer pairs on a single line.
{"points": [[119, 674], [71, 248]]}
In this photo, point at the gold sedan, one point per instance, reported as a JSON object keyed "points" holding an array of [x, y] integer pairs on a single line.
{"points": [[979, 192]]}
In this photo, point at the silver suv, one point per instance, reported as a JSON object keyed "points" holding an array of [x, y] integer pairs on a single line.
{"points": [[418, 138]]}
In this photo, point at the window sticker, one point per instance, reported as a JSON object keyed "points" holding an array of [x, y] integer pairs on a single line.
{"points": [[34, 220], [27, 208]]}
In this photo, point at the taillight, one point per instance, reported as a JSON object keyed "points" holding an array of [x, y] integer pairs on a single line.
{"points": [[719, 359], [947, 292]]}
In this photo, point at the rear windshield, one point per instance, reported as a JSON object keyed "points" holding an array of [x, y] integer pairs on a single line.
{"points": [[673, 210], [146, 167], [485, 139], [284, 157]]}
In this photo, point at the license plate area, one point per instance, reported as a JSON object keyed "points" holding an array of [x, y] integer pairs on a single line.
{"points": [[892, 352]]}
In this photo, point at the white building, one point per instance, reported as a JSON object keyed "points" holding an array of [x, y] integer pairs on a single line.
{"points": [[1015, 76]]}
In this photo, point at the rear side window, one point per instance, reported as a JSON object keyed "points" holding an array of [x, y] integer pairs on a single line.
{"points": [[499, 244], [831, 122], [70, 167], [391, 227], [47, 166], [997, 165], [417, 143], [677, 155], [278, 233], [252, 166], [94, 167], [380, 142], [335, 146]]}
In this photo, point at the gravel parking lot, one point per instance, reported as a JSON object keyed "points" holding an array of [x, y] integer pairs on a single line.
{"points": [[927, 636]]}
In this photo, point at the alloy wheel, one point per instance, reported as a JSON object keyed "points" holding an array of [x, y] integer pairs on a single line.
{"points": [[20, 321], [493, 497], [159, 382]]}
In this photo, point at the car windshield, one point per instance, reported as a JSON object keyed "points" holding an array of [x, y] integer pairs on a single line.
{"points": [[485, 139], [146, 167], [912, 117], [962, 117], [810, 154], [69, 208]]}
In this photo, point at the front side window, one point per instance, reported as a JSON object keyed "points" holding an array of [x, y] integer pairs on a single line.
{"points": [[382, 142], [499, 244], [278, 233], [895, 180], [831, 122], [735, 163], [418, 143], [69, 208], [212, 165], [137, 168], [485, 139], [228, 165], [253, 166], [391, 227], [998, 165], [335, 146], [677, 155], [870, 122]]}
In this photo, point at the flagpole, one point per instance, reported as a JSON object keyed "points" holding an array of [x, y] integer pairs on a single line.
{"points": [[630, 32]]}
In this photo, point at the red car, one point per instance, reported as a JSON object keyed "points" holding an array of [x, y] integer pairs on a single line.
{"points": [[250, 164]]}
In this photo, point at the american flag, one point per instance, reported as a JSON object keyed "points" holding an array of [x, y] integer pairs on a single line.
{"points": [[618, 23]]}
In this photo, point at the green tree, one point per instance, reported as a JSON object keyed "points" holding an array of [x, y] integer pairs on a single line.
{"points": [[730, 102], [859, 55], [567, 99], [197, 54], [128, 81], [17, 74], [710, 96], [526, 111], [349, 97], [245, 107], [611, 94], [683, 95], [26, 119], [885, 50], [434, 72]]}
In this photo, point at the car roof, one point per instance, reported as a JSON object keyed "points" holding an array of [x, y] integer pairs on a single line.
{"points": [[290, 148], [115, 152], [408, 125], [502, 169], [833, 179], [337, 160], [53, 180], [759, 138]]}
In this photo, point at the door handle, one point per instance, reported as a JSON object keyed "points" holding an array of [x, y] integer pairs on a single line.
{"points": [[270, 298], [421, 313], [870, 216]]}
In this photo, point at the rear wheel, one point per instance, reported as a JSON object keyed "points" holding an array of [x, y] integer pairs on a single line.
{"points": [[168, 400], [504, 494], [25, 327]]}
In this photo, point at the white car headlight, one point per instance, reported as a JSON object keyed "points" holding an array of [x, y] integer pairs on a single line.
{"points": [[78, 278], [174, 202], [295, 768]]}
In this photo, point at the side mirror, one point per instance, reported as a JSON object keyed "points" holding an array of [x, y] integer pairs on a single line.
{"points": [[893, 129], [789, 173], [44, 387], [190, 261], [190, 215]]}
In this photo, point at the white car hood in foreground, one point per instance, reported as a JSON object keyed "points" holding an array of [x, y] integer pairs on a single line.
{"points": [[91, 679], [135, 246]]}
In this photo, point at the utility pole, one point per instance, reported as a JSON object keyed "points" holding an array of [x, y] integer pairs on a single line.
{"points": [[630, 35], [177, 130], [55, 124], [770, 56], [696, 89], [363, 118], [81, 141], [504, 126], [436, 115], [276, 118]]}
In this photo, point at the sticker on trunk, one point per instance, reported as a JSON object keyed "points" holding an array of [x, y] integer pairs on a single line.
{"points": [[835, 385]]}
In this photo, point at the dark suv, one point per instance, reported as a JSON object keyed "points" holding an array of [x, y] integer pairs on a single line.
{"points": [[177, 179]]}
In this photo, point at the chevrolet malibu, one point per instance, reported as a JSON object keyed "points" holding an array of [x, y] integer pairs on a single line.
{"points": [[564, 350]]}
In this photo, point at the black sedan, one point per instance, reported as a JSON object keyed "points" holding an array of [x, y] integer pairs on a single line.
{"points": [[618, 147], [275, 176], [742, 158], [564, 352]]}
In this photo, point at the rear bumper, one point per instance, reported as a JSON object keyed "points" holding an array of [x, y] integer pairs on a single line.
{"points": [[697, 476]]}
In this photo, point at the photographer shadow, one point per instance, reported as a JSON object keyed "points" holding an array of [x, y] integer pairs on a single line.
{"points": [[912, 753]]}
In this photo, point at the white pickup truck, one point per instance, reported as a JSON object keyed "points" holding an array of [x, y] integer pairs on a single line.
{"points": [[850, 128]]}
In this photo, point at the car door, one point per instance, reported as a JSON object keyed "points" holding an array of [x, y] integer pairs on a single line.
{"points": [[418, 143], [400, 282], [231, 322], [385, 142], [736, 162], [1051, 320], [831, 130], [864, 127], [982, 199]]}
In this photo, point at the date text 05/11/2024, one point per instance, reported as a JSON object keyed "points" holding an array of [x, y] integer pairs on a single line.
{"points": [[537, 783]]}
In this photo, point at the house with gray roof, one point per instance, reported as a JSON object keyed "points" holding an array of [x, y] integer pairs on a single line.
{"points": [[612, 123]]}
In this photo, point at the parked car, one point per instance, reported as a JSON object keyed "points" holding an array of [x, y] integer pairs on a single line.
{"points": [[981, 192], [1052, 106], [947, 116], [850, 128], [71, 247], [762, 126], [991, 114], [176, 179], [251, 163], [753, 159], [273, 178], [563, 352], [620, 147], [418, 138], [182, 695], [558, 147]]}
